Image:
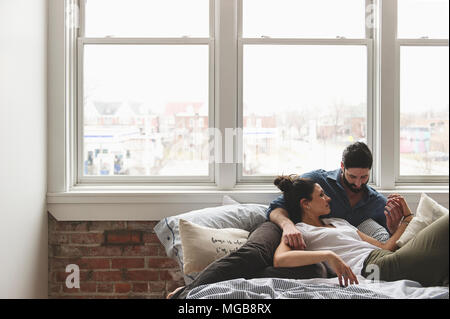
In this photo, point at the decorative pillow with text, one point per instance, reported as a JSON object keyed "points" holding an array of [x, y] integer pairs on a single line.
{"points": [[202, 245]]}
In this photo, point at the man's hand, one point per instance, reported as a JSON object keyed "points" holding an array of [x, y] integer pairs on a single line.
{"points": [[394, 213], [293, 237]]}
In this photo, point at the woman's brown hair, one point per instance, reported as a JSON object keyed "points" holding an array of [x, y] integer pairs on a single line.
{"points": [[294, 190]]}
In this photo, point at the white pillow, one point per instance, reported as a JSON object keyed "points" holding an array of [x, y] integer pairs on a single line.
{"points": [[243, 216], [202, 245], [428, 211]]}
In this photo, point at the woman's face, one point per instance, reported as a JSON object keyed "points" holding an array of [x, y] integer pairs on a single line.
{"points": [[320, 203]]}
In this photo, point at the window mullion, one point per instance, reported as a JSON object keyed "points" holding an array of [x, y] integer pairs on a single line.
{"points": [[226, 88], [387, 155]]}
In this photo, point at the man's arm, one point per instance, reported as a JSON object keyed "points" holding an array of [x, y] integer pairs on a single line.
{"points": [[291, 235]]}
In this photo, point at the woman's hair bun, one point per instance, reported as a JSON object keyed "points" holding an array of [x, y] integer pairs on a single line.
{"points": [[285, 183]]}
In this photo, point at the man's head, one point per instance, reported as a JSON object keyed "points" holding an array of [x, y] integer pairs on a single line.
{"points": [[356, 165]]}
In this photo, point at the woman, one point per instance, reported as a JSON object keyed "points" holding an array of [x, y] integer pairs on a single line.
{"points": [[349, 252]]}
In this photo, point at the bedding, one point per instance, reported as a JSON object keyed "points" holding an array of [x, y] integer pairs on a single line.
{"points": [[317, 288]]}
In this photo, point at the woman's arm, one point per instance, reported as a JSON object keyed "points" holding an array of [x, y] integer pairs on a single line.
{"points": [[407, 217], [391, 243], [285, 257]]}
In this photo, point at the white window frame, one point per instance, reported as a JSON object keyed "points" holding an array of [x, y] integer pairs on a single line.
{"points": [[367, 42], [75, 82], [403, 42]]}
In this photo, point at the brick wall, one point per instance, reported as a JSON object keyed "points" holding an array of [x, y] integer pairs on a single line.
{"points": [[120, 259]]}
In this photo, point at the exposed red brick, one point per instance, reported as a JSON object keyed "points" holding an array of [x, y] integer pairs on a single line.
{"points": [[71, 290], [88, 287], [55, 288], [150, 238], [61, 263], [123, 237], [140, 251], [107, 276], [68, 251], [142, 275], [104, 251], [105, 225], [119, 263], [122, 288], [141, 225], [58, 238], [162, 263], [94, 263], [71, 226], [105, 287], [157, 286], [86, 238], [140, 287], [136, 268]]}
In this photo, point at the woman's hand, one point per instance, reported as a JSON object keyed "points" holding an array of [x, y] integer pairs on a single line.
{"points": [[293, 237], [342, 270]]}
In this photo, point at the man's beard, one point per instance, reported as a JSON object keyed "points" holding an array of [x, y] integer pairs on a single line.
{"points": [[352, 187]]}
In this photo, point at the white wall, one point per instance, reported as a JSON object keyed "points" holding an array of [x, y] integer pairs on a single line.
{"points": [[23, 148]]}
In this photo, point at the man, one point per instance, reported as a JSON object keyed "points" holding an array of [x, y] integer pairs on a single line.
{"points": [[351, 198]]}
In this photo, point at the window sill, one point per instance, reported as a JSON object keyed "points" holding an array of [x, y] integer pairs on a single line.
{"points": [[154, 203]]}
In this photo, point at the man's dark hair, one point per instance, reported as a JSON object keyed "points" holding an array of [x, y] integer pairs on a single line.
{"points": [[357, 155]]}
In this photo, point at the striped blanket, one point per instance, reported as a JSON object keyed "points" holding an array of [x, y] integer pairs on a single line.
{"points": [[277, 288]]}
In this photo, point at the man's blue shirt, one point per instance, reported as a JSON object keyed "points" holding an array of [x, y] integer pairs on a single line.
{"points": [[370, 206]]}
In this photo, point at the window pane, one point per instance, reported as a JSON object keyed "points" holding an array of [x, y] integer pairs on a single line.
{"points": [[423, 18], [304, 18], [147, 18], [146, 110], [424, 113], [302, 106]]}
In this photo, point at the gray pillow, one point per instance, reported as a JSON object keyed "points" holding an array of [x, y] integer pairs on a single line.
{"points": [[241, 216], [373, 229]]}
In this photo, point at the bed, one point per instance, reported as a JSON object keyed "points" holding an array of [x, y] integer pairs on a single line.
{"points": [[225, 220], [316, 288]]}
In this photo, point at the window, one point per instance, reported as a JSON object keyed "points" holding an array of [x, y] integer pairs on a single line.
{"points": [[423, 94], [305, 84], [145, 89], [147, 81]]}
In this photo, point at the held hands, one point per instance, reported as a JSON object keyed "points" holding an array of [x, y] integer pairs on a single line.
{"points": [[400, 200], [293, 238], [342, 270], [394, 212]]}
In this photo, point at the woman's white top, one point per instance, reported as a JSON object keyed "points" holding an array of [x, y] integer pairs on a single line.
{"points": [[343, 240]]}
